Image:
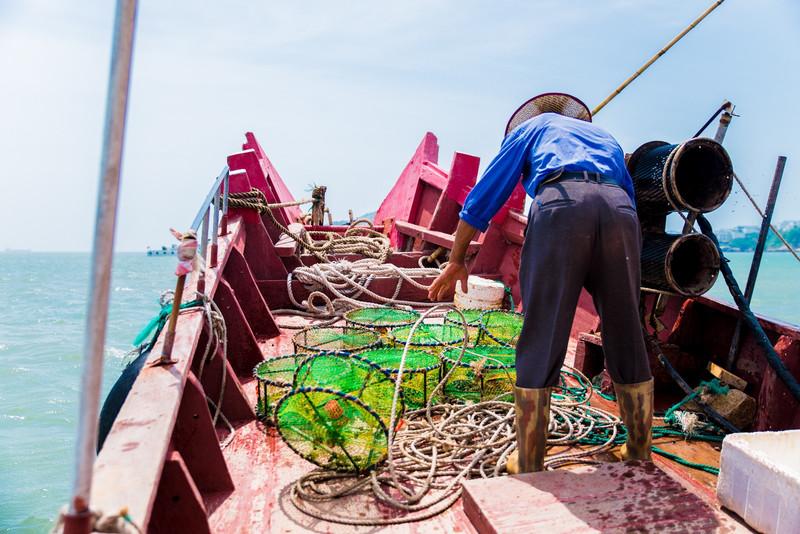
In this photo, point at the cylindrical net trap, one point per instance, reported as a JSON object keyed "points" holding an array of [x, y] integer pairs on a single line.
{"points": [[473, 317], [338, 413], [484, 373], [274, 377], [335, 338], [421, 372], [380, 318], [501, 327], [428, 335], [683, 264], [696, 175]]}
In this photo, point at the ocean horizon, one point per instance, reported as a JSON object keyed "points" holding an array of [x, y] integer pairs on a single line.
{"points": [[41, 339]]}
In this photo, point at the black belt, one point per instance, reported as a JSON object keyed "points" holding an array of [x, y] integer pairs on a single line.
{"points": [[579, 176]]}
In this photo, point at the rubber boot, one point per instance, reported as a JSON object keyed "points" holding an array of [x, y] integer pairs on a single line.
{"points": [[532, 407], [635, 403]]}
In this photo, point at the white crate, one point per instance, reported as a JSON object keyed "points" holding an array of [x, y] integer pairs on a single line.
{"points": [[759, 479]]}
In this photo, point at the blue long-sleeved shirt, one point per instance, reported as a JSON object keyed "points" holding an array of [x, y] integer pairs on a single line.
{"points": [[534, 150]]}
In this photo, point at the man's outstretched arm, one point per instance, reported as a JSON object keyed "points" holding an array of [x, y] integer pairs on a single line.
{"points": [[456, 269]]}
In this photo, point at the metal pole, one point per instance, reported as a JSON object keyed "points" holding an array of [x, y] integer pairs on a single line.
{"points": [[653, 59], [212, 261], [224, 223], [759, 253], [724, 122], [201, 278], [103, 247]]}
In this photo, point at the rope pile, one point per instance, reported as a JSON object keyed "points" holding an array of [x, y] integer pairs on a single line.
{"points": [[348, 282], [432, 450], [356, 239]]}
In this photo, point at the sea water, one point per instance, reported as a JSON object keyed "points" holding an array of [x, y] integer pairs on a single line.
{"points": [[43, 301], [43, 298]]}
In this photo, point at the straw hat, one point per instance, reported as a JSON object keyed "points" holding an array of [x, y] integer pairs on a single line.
{"points": [[560, 103]]}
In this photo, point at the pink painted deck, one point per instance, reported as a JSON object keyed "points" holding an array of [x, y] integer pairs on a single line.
{"points": [[612, 497]]}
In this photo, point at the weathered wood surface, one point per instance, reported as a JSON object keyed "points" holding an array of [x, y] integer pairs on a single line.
{"points": [[612, 497]]}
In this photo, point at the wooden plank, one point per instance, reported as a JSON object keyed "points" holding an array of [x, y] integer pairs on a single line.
{"points": [[612, 497], [128, 469], [432, 236]]}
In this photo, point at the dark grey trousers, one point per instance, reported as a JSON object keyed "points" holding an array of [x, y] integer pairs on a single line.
{"points": [[580, 234]]}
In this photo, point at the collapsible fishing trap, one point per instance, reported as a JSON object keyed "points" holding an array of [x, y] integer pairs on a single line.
{"points": [[380, 318], [501, 327], [484, 373], [473, 318], [428, 335], [274, 377], [421, 372], [335, 338], [338, 412]]}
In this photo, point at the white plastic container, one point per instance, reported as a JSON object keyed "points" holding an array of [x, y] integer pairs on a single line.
{"points": [[481, 293], [759, 479]]}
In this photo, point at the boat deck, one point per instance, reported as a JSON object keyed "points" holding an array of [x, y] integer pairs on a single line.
{"points": [[263, 469]]}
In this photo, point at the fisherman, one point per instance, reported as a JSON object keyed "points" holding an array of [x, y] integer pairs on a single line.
{"points": [[583, 232]]}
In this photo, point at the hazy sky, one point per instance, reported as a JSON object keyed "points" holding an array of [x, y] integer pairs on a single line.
{"points": [[340, 93]]}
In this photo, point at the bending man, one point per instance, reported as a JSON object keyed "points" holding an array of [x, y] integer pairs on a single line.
{"points": [[583, 232]]}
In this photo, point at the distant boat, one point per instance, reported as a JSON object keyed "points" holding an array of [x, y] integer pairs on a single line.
{"points": [[163, 251]]}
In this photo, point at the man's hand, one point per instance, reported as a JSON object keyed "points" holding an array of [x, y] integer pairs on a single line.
{"points": [[444, 286]]}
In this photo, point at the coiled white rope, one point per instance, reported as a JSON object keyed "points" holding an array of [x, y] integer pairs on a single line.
{"points": [[349, 283]]}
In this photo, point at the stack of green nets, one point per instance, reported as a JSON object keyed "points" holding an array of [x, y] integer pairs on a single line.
{"points": [[274, 378], [428, 335], [501, 327], [338, 413], [473, 317], [335, 338], [421, 372], [484, 373], [380, 318]]}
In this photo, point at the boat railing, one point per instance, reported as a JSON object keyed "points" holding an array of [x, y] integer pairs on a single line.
{"points": [[214, 208]]}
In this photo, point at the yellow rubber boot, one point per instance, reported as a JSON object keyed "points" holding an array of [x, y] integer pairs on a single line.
{"points": [[532, 407], [635, 403]]}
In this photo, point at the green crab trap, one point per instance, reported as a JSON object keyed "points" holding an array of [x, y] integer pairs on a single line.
{"points": [[338, 414], [501, 327], [421, 372], [473, 317], [274, 377], [428, 335], [380, 318], [335, 338], [484, 373]]}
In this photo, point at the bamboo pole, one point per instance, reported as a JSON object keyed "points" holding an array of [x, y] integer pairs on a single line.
{"points": [[78, 518]]}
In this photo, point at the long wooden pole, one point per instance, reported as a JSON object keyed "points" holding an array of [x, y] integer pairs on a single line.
{"points": [[77, 520], [653, 59]]}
